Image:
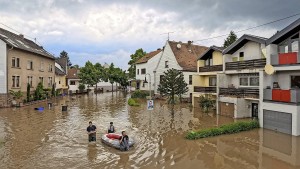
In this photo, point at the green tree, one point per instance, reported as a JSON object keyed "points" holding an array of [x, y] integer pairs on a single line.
{"points": [[65, 54], [206, 103], [39, 92], [81, 87], [230, 39], [28, 92], [88, 74], [172, 84], [16, 94], [134, 57], [112, 75]]}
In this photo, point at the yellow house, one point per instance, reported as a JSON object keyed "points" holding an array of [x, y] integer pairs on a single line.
{"points": [[61, 75], [205, 82]]}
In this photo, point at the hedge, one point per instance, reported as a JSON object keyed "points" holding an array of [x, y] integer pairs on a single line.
{"points": [[224, 129], [132, 102], [140, 94]]}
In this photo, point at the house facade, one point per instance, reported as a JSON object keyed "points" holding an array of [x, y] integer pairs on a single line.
{"points": [[144, 70], [238, 86], [23, 62], [179, 56], [73, 80], [281, 82], [61, 76], [205, 81]]}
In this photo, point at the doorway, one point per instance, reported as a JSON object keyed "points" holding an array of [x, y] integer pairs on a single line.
{"points": [[254, 110]]}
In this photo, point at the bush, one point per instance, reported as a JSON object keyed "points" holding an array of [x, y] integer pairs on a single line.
{"points": [[139, 94], [225, 129], [132, 102]]}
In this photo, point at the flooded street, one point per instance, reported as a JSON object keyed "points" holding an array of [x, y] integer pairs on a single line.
{"points": [[55, 139]]}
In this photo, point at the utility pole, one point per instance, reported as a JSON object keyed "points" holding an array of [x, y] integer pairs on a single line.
{"points": [[168, 34]]}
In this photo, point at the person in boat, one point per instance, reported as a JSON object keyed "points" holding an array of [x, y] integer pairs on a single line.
{"points": [[111, 128], [124, 142], [91, 129]]}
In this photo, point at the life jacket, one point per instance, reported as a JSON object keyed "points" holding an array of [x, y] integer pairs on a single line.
{"points": [[124, 145], [111, 129]]}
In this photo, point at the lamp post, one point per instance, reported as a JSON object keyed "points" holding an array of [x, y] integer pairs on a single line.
{"points": [[149, 83]]}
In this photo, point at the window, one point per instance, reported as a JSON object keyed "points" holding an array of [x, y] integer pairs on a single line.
{"points": [[212, 81], [15, 81], [138, 71], [295, 82], [29, 80], [50, 68], [254, 81], [58, 82], [161, 77], [15, 62], [49, 81], [42, 66], [143, 71], [72, 82], [166, 64], [41, 80], [190, 79], [249, 80], [295, 46], [209, 61], [244, 81], [30, 65], [241, 56]]}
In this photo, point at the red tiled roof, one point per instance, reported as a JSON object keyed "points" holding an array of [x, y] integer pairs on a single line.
{"points": [[73, 73], [187, 54], [148, 56]]}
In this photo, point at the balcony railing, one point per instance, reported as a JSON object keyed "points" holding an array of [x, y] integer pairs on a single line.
{"points": [[240, 92], [279, 95], [205, 89], [211, 68], [285, 58], [247, 64]]}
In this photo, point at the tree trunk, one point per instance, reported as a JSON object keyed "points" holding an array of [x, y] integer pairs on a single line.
{"points": [[112, 87], [96, 91]]}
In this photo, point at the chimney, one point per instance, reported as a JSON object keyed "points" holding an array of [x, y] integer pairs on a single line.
{"points": [[190, 42], [21, 35]]}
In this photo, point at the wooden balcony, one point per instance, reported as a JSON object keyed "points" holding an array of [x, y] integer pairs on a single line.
{"points": [[211, 68], [279, 95], [205, 89], [240, 92], [247, 64]]}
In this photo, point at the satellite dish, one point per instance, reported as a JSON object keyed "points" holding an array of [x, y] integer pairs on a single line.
{"points": [[269, 69], [178, 46]]}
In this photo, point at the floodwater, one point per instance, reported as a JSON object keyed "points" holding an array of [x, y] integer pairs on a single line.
{"points": [[54, 139]]}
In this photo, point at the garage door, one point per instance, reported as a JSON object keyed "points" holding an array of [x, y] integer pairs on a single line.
{"points": [[278, 121], [226, 109]]}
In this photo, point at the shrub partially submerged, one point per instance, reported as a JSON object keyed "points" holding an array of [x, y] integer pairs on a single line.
{"points": [[225, 129], [132, 102], [139, 94]]}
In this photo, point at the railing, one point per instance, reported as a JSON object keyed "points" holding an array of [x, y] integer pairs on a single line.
{"points": [[240, 92], [211, 68], [285, 58], [205, 89], [247, 64], [279, 95]]}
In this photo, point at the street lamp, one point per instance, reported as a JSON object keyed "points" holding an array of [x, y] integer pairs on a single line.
{"points": [[149, 83]]}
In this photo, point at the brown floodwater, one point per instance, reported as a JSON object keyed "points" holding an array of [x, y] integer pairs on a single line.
{"points": [[55, 139]]}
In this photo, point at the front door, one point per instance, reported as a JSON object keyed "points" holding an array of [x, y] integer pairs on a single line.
{"points": [[255, 110]]}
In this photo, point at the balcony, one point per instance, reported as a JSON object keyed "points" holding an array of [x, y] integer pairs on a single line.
{"points": [[279, 95], [211, 68], [285, 58], [205, 89], [240, 92], [247, 64]]}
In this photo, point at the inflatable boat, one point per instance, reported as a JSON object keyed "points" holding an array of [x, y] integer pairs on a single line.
{"points": [[113, 140]]}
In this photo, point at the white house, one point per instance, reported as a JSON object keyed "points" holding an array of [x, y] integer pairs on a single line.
{"points": [[180, 56], [73, 80], [238, 85], [144, 70], [281, 82]]}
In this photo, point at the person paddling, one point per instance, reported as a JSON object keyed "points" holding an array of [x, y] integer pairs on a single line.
{"points": [[91, 129], [111, 128], [124, 142]]}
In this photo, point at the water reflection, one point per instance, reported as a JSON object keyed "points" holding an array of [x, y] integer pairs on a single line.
{"points": [[56, 139]]}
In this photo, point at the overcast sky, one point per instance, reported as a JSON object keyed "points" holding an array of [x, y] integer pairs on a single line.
{"points": [[111, 30]]}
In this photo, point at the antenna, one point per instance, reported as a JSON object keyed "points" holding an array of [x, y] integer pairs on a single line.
{"points": [[168, 34]]}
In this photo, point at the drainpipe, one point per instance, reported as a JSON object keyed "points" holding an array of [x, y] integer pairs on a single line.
{"points": [[7, 71]]}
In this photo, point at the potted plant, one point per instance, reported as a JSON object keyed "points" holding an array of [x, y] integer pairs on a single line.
{"points": [[17, 95]]}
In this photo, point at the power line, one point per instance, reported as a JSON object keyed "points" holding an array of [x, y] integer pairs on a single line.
{"points": [[249, 28]]}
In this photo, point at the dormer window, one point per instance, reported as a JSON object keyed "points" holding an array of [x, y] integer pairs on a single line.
{"points": [[166, 64]]}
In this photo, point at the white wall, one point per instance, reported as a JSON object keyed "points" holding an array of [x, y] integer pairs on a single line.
{"points": [[3, 67], [150, 66], [252, 50], [73, 88]]}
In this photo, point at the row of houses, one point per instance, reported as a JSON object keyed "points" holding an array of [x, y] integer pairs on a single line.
{"points": [[253, 77], [23, 62]]}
